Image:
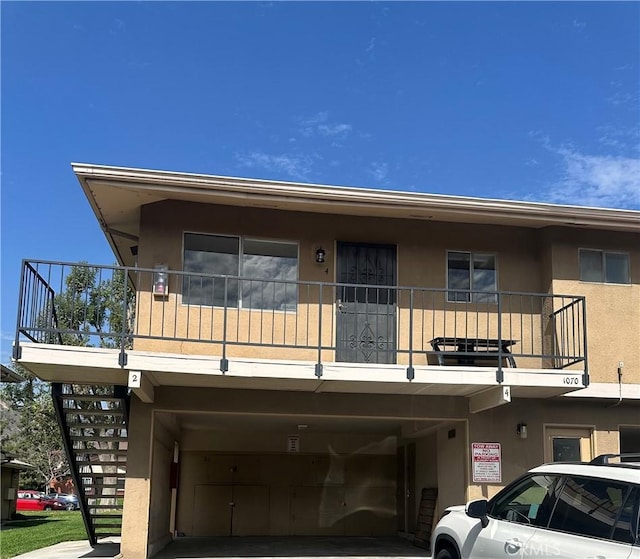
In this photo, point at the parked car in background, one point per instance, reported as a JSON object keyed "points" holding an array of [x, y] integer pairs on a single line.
{"points": [[569, 510], [70, 500], [36, 500]]}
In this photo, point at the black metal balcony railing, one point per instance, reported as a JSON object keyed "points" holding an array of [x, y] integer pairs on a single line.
{"points": [[178, 312]]}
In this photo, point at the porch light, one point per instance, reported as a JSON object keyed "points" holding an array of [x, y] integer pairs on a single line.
{"points": [[320, 255], [521, 430], [160, 280]]}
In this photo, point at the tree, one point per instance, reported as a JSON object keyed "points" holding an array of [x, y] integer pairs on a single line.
{"points": [[93, 305], [29, 430], [96, 303]]}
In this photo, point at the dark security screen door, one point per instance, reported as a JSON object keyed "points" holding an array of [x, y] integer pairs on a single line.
{"points": [[366, 312]]}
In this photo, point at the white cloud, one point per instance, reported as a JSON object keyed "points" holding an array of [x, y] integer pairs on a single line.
{"points": [[379, 170], [334, 129], [621, 98], [597, 180], [296, 166], [320, 125], [308, 125], [371, 45], [621, 138]]}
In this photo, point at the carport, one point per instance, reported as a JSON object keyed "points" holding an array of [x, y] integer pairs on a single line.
{"points": [[298, 475]]}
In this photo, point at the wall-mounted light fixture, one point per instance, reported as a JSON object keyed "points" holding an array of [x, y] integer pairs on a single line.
{"points": [[521, 430], [161, 280], [320, 255]]}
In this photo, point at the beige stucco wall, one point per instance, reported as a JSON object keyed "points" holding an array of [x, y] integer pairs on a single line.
{"points": [[421, 245], [519, 455], [613, 311], [164, 437], [136, 535], [421, 262], [320, 489], [528, 261], [452, 465], [426, 456]]}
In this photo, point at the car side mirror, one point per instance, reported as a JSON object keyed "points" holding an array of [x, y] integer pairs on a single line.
{"points": [[478, 509]]}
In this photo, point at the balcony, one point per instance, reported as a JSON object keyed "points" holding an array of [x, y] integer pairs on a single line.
{"points": [[322, 329]]}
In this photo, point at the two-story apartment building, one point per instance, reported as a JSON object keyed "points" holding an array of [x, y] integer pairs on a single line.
{"points": [[297, 359]]}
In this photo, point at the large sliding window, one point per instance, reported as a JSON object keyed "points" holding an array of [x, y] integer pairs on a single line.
{"points": [[469, 274], [249, 273], [269, 260], [604, 267]]}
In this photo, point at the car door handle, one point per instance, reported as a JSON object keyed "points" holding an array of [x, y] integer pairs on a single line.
{"points": [[512, 546]]}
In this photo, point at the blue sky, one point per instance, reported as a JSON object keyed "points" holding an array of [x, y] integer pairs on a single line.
{"points": [[526, 100]]}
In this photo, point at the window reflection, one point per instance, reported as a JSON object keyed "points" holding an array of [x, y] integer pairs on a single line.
{"points": [[590, 507], [273, 260], [601, 266], [264, 262], [473, 273]]}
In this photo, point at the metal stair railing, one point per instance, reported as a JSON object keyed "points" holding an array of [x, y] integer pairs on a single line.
{"points": [[85, 432]]}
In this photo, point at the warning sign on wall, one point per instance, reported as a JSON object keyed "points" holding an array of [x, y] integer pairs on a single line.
{"points": [[293, 443], [487, 462]]}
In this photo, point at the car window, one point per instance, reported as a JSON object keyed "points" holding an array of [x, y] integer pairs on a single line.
{"points": [[627, 527], [529, 501], [592, 507]]}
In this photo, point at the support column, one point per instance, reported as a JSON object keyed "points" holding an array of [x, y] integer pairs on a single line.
{"points": [[137, 501]]}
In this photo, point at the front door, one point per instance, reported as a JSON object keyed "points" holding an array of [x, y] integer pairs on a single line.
{"points": [[366, 305]]}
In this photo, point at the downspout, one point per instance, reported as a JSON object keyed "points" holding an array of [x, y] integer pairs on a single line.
{"points": [[620, 367]]}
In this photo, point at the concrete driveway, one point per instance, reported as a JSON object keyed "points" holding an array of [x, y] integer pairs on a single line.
{"points": [[265, 547]]}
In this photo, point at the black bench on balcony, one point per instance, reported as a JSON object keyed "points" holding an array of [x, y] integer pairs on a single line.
{"points": [[476, 352]]}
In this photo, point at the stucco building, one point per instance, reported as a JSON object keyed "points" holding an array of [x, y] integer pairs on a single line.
{"points": [[301, 359]]}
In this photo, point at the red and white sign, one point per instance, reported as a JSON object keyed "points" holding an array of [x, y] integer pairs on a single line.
{"points": [[487, 462]]}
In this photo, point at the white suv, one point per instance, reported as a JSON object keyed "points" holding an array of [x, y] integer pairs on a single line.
{"points": [[561, 510]]}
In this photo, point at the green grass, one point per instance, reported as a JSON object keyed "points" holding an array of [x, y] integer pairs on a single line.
{"points": [[34, 530]]}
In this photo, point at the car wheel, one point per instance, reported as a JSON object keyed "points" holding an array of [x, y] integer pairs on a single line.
{"points": [[70, 506], [47, 507], [447, 553]]}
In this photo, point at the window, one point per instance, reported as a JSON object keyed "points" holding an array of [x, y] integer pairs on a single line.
{"points": [[529, 502], [238, 272], [604, 267], [566, 449], [471, 273], [269, 260], [593, 507]]}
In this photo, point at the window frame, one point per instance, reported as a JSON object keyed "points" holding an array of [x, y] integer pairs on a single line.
{"points": [[603, 261], [491, 295], [241, 241]]}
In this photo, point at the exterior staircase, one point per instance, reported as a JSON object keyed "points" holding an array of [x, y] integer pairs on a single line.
{"points": [[93, 421]]}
